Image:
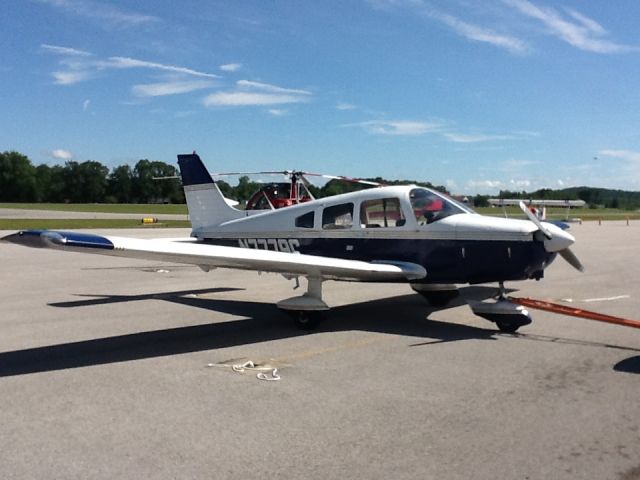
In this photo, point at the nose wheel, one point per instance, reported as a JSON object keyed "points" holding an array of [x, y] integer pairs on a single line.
{"points": [[507, 316], [509, 326]]}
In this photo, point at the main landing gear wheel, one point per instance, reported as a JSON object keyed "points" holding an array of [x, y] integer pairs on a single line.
{"points": [[437, 295], [440, 298], [306, 319], [306, 310]]}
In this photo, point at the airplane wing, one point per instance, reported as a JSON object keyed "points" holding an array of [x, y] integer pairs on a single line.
{"points": [[191, 251]]}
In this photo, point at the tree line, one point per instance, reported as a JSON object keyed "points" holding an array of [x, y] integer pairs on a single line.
{"points": [[593, 197], [92, 182], [86, 182]]}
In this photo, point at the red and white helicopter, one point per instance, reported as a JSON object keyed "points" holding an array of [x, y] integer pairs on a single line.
{"points": [[274, 195], [405, 234]]}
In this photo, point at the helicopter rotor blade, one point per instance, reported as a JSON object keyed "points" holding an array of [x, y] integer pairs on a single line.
{"points": [[343, 178]]}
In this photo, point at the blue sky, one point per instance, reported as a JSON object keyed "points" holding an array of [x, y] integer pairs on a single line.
{"points": [[479, 96]]}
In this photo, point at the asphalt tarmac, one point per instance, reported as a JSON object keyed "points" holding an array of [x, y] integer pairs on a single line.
{"points": [[118, 368]]}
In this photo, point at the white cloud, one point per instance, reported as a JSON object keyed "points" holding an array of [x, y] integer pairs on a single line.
{"points": [[61, 154], [172, 87], [239, 99], [485, 184], [514, 166], [249, 85], [627, 155], [70, 77], [64, 50], [251, 93], [492, 186], [109, 14], [126, 62], [526, 133], [583, 32], [85, 105], [277, 112], [587, 22], [520, 183], [397, 128], [479, 34], [231, 67], [81, 66], [475, 138], [475, 33], [345, 106]]}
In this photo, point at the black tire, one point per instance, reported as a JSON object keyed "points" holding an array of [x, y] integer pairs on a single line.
{"points": [[306, 319], [507, 327], [440, 298]]}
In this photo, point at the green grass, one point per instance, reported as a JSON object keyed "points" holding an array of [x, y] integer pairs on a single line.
{"points": [[61, 224], [586, 214], [168, 209]]}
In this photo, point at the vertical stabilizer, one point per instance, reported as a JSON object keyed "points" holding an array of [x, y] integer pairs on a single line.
{"points": [[206, 204]]}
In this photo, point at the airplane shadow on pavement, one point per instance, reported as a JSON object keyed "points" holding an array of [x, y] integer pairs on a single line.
{"points": [[260, 322], [405, 315]]}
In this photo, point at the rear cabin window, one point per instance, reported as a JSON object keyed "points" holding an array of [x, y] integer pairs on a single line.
{"points": [[383, 212], [306, 220], [337, 216]]}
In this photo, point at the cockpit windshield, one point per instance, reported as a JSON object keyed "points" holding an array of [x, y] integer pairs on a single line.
{"points": [[429, 207]]}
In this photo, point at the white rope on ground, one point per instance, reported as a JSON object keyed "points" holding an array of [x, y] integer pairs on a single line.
{"points": [[250, 366], [273, 378]]}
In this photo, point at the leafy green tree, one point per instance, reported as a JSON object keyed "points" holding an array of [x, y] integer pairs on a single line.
{"points": [[93, 180], [17, 178], [337, 187], [227, 190], [84, 182], [246, 188], [481, 201], [147, 190], [120, 183], [43, 182], [57, 189]]}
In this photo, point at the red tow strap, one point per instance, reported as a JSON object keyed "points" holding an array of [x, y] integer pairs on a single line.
{"points": [[574, 312]]}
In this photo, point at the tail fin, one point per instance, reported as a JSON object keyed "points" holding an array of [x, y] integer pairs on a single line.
{"points": [[207, 206]]}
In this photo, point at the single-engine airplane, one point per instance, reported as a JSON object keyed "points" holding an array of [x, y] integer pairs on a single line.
{"points": [[387, 234]]}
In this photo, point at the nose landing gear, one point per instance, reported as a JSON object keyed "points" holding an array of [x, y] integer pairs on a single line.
{"points": [[507, 315]]}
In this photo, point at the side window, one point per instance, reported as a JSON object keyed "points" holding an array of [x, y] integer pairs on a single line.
{"points": [[263, 203], [383, 212], [429, 207], [306, 220], [337, 216]]}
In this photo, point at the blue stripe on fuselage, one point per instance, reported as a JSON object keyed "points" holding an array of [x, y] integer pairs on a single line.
{"points": [[446, 261]]}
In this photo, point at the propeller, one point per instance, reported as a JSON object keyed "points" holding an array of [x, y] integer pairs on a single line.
{"points": [[555, 239]]}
